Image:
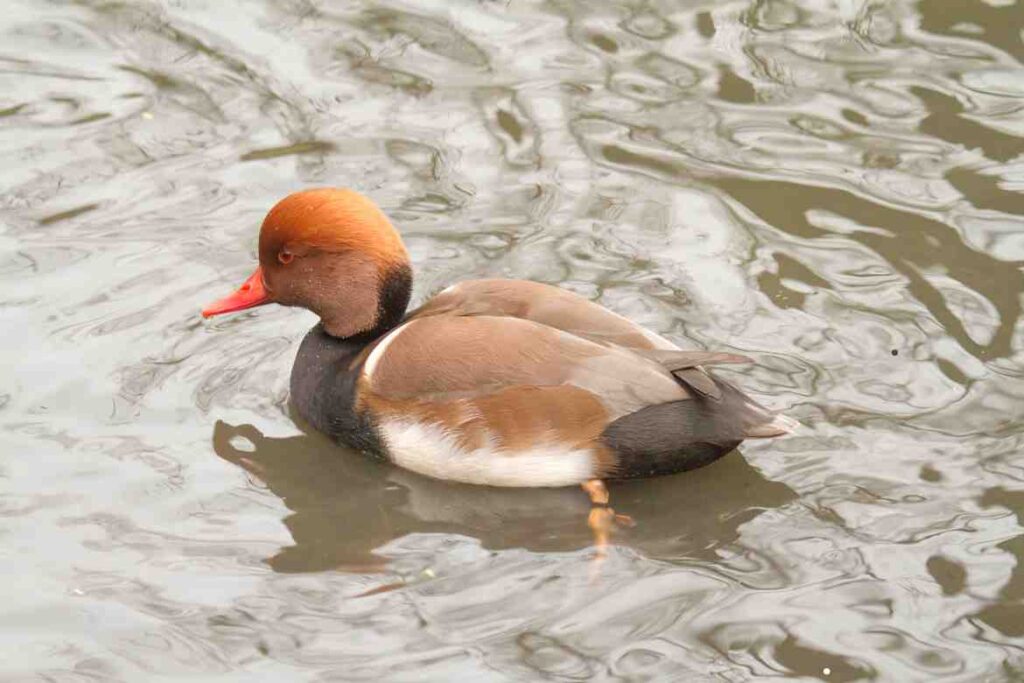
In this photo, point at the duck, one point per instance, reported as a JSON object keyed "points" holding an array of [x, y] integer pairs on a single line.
{"points": [[496, 382]]}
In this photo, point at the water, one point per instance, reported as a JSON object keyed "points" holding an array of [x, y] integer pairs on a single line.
{"points": [[832, 187]]}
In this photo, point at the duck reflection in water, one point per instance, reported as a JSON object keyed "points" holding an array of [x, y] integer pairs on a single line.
{"points": [[345, 506]]}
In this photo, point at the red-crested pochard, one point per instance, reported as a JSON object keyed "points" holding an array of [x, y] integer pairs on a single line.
{"points": [[499, 382]]}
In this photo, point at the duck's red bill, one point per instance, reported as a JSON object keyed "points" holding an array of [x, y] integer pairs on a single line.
{"points": [[252, 293]]}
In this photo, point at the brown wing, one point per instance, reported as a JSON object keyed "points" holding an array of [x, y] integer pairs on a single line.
{"points": [[439, 359], [563, 310], [545, 304]]}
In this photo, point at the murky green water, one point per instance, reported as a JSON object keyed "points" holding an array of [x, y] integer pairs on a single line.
{"points": [[836, 188]]}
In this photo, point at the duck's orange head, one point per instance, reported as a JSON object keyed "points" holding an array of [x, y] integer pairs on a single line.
{"points": [[334, 252]]}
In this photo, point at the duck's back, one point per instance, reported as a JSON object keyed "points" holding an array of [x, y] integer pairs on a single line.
{"points": [[545, 304]]}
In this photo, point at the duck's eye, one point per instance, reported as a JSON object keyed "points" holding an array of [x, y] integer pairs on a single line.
{"points": [[285, 256]]}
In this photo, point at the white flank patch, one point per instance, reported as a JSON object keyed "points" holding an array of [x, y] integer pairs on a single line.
{"points": [[378, 351], [430, 450]]}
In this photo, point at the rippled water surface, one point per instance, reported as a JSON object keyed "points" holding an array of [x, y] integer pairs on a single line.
{"points": [[835, 188]]}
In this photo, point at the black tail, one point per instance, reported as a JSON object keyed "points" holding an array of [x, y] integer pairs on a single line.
{"points": [[683, 435]]}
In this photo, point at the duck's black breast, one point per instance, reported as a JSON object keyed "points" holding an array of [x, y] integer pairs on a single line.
{"points": [[323, 389]]}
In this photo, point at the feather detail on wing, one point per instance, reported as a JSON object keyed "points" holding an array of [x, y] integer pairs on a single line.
{"points": [[551, 306]]}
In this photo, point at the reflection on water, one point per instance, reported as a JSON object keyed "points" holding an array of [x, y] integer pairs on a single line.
{"points": [[832, 187], [329, 490]]}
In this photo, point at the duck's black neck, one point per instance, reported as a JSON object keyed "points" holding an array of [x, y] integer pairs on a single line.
{"points": [[323, 389]]}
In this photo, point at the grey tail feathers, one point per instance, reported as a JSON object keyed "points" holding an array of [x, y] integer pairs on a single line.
{"points": [[780, 425], [755, 421]]}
